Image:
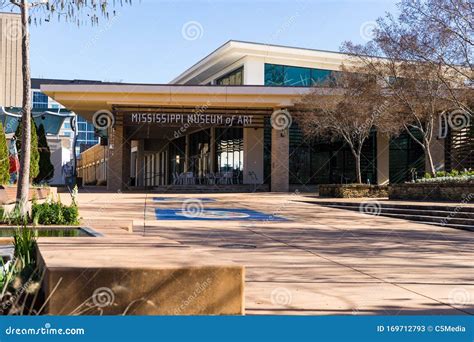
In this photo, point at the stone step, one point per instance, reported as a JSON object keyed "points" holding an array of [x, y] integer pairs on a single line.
{"points": [[440, 207], [421, 212], [198, 188], [454, 217]]}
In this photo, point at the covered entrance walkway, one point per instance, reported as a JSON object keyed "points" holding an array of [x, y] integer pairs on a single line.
{"points": [[160, 135]]}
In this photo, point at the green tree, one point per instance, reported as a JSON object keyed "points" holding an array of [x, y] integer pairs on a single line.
{"points": [[4, 160], [46, 168], [34, 153]]}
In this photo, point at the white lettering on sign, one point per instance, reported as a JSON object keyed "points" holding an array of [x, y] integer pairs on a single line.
{"points": [[191, 119]]}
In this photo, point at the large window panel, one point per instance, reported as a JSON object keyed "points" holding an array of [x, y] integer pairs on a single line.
{"points": [[274, 75], [230, 151], [232, 78], [320, 76], [297, 77], [292, 76]]}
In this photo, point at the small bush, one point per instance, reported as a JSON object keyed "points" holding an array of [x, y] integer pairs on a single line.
{"points": [[55, 213], [71, 214]]}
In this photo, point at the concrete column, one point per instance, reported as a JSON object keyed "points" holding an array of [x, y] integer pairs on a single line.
{"points": [[253, 155], [186, 155], [383, 160], [213, 149], [118, 165], [254, 71], [280, 160]]}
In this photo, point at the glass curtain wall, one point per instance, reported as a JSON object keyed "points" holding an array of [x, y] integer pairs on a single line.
{"points": [[199, 152], [406, 158], [321, 162], [284, 75], [177, 156], [230, 152], [232, 78]]}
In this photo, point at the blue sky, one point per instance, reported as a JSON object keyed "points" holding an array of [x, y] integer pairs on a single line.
{"points": [[148, 43]]}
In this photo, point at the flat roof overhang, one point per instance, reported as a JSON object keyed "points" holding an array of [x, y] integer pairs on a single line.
{"points": [[86, 99]]}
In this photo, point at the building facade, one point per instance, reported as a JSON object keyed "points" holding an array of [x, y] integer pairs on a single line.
{"points": [[211, 126], [10, 60]]}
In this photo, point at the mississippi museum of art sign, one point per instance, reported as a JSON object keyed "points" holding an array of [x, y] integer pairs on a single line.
{"points": [[192, 119]]}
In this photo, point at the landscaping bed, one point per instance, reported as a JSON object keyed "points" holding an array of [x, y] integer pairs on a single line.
{"points": [[8, 193], [442, 186], [451, 191], [353, 190]]}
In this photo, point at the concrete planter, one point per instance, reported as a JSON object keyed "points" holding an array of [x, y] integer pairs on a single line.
{"points": [[353, 190], [432, 191], [8, 193]]}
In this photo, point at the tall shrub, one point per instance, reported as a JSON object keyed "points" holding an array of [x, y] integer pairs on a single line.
{"points": [[46, 168], [4, 160], [34, 153]]}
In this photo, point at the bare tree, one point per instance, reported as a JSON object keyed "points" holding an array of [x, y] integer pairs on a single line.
{"points": [[415, 97], [76, 11], [349, 115], [423, 59], [437, 32]]}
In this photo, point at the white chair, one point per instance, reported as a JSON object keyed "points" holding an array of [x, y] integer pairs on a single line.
{"points": [[190, 180], [181, 178], [228, 177]]}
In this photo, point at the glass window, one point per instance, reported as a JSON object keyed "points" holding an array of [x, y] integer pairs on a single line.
{"points": [[232, 78], [285, 75], [229, 151], [40, 100], [199, 152], [274, 75], [297, 77], [319, 76], [177, 156]]}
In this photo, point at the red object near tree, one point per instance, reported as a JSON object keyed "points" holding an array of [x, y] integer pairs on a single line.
{"points": [[14, 164]]}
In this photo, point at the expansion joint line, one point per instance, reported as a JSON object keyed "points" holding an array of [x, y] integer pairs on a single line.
{"points": [[356, 270]]}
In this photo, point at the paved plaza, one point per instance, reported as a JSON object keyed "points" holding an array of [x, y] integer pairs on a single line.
{"points": [[305, 259]]}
